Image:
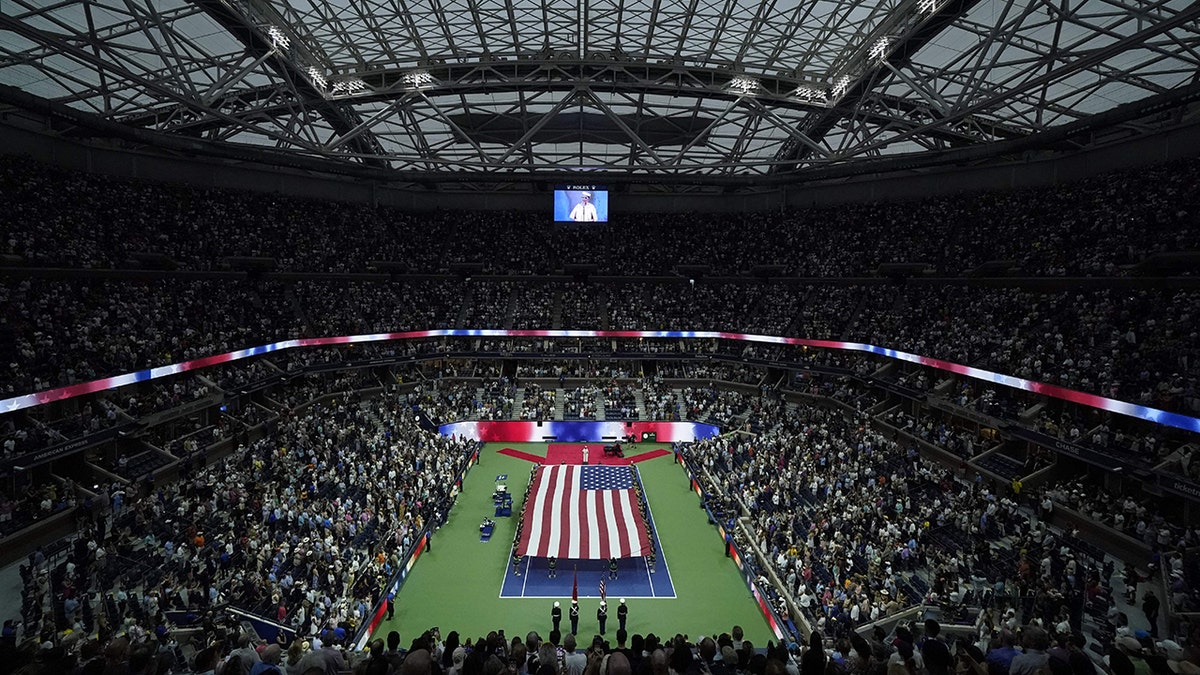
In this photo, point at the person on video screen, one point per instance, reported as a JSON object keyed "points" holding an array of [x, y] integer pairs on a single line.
{"points": [[584, 211]]}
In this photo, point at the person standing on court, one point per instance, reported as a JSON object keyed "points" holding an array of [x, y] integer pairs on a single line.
{"points": [[556, 615], [585, 453], [602, 615], [552, 563], [574, 613], [612, 568], [622, 614]]}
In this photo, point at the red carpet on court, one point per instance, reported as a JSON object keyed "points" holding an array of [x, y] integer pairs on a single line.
{"points": [[572, 453], [522, 455]]}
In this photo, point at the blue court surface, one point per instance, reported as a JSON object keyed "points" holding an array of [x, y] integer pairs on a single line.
{"points": [[634, 579]]}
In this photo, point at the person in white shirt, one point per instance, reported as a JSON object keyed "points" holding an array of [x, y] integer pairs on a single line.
{"points": [[584, 211]]}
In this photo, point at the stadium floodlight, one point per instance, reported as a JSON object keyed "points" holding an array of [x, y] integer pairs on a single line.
{"points": [[841, 86], [278, 40], [317, 77], [810, 94], [927, 6], [743, 85], [351, 85], [879, 50], [417, 79]]}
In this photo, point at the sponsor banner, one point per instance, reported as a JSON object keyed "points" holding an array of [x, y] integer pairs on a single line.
{"points": [[39, 457], [1077, 451], [1180, 486]]}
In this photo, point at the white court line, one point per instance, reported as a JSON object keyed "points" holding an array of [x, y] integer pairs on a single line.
{"points": [[507, 566], [650, 512]]}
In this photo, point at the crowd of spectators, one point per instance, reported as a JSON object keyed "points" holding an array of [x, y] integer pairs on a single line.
{"points": [[660, 400], [489, 306], [929, 537], [620, 402], [912, 647], [581, 306], [726, 372], [301, 390], [858, 527], [35, 502], [1097, 226], [539, 403], [801, 478], [579, 403], [446, 402], [1140, 516], [534, 306], [60, 332], [943, 434], [304, 525], [328, 308], [713, 405], [497, 398], [1138, 346]]}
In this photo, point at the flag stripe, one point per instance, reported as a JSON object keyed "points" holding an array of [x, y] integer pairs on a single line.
{"points": [[620, 524], [564, 520], [634, 523], [545, 506], [593, 516], [563, 533], [533, 531], [612, 525], [607, 536]]}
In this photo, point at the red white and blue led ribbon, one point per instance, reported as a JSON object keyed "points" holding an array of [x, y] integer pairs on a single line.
{"points": [[1112, 405]]}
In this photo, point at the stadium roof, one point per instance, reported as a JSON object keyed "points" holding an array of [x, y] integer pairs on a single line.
{"points": [[698, 90]]}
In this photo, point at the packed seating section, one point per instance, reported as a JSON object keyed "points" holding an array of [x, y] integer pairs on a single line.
{"points": [[800, 476]]}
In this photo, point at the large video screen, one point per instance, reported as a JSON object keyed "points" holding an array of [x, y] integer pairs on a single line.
{"points": [[580, 204]]}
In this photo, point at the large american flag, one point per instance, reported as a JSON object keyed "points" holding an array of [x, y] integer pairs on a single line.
{"points": [[583, 512]]}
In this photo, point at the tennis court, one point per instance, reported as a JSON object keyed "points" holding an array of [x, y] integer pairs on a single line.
{"points": [[467, 585]]}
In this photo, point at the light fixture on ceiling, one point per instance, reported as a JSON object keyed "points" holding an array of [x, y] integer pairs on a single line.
{"points": [[317, 77], [743, 85], [351, 85], [810, 94], [279, 40], [841, 86], [927, 6], [880, 49], [416, 79]]}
